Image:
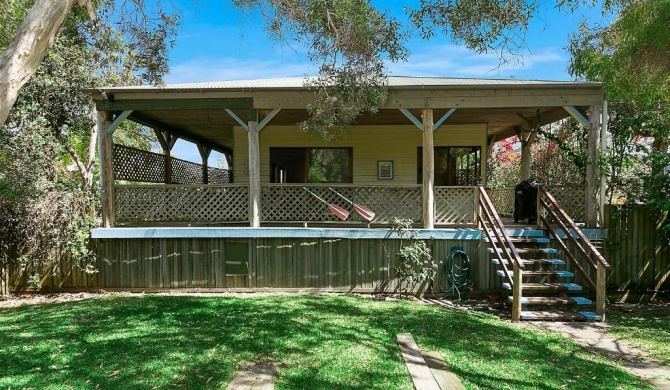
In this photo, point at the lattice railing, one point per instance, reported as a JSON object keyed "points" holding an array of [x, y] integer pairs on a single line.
{"points": [[455, 205], [290, 202], [503, 200], [140, 166], [137, 204], [569, 197], [572, 199]]}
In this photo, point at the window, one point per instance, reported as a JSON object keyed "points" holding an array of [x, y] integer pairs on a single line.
{"points": [[311, 165], [454, 165]]}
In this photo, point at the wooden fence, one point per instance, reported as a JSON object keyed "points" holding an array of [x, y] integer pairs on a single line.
{"points": [[327, 264], [636, 250], [570, 197]]}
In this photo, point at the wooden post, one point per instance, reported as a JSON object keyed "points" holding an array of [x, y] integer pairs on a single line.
{"points": [[601, 290], [478, 210], [527, 138], [105, 150], [592, 169], [205, 151], [516, 292], [167, 141], [603, 156], [428, 188], [254, 175]]}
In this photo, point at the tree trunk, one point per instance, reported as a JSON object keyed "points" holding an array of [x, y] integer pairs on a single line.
{"points": [[20, 60]]}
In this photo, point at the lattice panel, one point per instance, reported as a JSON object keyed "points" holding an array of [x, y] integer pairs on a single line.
{"points": [[290, 203], [184, 204], [454, 205], [136, 165], [503, 200], [219, 176], [572, 199]]}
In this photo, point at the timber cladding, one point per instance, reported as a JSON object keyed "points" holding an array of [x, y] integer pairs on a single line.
{"points": [[330, 264]]}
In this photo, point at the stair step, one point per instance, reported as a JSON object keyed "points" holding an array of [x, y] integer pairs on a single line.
{"points": [[560, 274], [525, 232], [525, 240], [533, 262], [546, 251], [553, 301], [559, 316], [546, 287]]}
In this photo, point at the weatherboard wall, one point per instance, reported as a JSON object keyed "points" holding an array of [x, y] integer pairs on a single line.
{"points": [[370, 144]]}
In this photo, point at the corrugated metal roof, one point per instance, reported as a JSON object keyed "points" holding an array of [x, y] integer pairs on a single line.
{"points": [[393, 81]]}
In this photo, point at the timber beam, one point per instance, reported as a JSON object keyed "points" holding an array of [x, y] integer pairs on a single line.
{"points": [[150, 122], [175, 104]]}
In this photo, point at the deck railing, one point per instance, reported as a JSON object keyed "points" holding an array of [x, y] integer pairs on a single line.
{"points": [[291, 203], [178, 204], [587, 260], [286, 203], [570, 197]]}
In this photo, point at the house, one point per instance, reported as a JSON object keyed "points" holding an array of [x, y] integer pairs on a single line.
{"points": [[422, 157]]}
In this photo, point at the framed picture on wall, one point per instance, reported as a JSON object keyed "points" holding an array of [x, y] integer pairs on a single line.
{"points": [[385, 170]]}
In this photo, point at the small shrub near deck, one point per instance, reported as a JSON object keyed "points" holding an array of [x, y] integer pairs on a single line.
{"points": [[323, 342]]}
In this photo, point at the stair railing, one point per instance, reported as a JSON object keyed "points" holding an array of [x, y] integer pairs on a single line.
{"points": [[548, 206], [495, 231]]}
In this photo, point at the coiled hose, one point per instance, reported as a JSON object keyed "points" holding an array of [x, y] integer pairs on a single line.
{"points": [[458, 276]]}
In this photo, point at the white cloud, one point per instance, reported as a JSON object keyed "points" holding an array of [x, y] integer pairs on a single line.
{"points": [[456, 61], [205, 69]]}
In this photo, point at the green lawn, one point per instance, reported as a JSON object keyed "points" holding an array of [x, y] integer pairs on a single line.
{"points": [[646, 332], [326, 342]]}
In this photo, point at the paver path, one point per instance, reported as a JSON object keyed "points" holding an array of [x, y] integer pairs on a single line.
{"points": [[592, 335]]}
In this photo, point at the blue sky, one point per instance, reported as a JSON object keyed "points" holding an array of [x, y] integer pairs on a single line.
{"points": [[216, 43]]}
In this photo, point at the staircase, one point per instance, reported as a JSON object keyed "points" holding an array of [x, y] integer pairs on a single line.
{"points": [[541, 288], [547, 292]]}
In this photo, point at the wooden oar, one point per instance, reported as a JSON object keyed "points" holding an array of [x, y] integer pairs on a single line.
{"points": [[336, 210], [360, 209]]}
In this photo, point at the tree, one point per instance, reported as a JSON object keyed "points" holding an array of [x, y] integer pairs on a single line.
{"points": [[632, 57], [147, 36]]}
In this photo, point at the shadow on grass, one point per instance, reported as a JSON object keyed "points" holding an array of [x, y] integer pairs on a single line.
{"points": [[323, 343]]}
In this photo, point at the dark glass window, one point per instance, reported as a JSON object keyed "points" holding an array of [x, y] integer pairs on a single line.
{"points": [[454, 165], [311, 165]]}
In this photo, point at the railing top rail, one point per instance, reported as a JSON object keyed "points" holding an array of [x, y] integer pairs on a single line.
{"points": [[352, 185], [225, 185], [572, 226], [499, 225]]}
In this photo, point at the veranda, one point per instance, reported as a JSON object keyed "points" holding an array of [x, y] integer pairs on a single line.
{"points": [[171, 224]]}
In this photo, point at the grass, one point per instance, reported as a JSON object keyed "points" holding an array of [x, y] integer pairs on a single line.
{"points": [[645, 332], [325, 342]]}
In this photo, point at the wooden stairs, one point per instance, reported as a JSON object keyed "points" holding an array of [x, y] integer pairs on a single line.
{"points": [[532, 264], [547, 291]]}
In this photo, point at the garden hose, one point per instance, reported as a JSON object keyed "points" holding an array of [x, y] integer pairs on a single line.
{"points": [[458, 276]]}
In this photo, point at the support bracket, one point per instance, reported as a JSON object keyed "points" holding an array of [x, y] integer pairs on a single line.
{"points": [[267, 119], [578, 116], [237, 119], [443, 118], [117, 121], [412, 118]]}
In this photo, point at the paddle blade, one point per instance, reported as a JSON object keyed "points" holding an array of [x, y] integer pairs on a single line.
{"points": [[338, 211], [364, 212]]}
